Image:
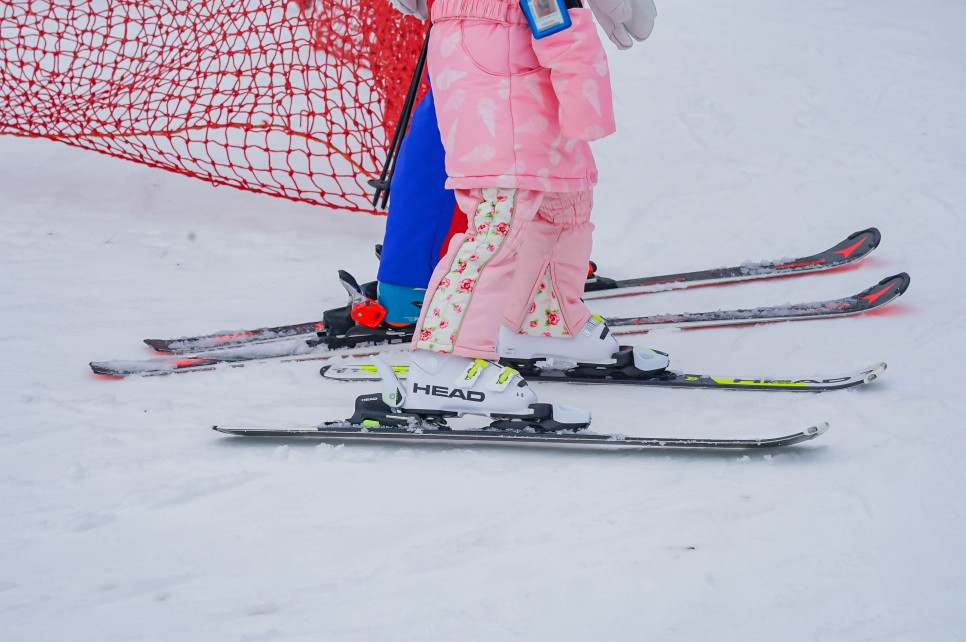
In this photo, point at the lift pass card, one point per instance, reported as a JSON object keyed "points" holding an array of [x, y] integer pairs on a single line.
{"points": [[546, 17]]}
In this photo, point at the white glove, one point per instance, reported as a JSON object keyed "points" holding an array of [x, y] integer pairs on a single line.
{"points": [[624, 21], [416, 8]]}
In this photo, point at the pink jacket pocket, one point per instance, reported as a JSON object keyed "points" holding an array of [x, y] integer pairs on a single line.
{"points": [[497, 48], [580, 78]]}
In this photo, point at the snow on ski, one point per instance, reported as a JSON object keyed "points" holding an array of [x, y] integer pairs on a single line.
{"points": [[668, 379], [856, 246], [275, 352], [228, 339], [433, 433], [296, 349]]}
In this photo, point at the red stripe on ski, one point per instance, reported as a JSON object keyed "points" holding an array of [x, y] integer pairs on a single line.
{"points": [[846, 252], [871, 298], [187, 363]]}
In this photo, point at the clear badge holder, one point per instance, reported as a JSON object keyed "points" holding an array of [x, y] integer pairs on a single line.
{"points": [[546, 17]]}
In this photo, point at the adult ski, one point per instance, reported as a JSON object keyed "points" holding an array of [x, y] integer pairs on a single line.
{"points": [[666, 379], [850, 250], [297, 349], [340, 432]]}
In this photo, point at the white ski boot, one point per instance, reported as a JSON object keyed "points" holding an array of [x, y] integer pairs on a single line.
{"points": [[444, 385], [448, 383], [593, 351]]}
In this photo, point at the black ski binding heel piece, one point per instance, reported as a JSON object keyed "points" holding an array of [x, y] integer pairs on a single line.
{"points": [[625, 366], [541, 419], [372, 411]]}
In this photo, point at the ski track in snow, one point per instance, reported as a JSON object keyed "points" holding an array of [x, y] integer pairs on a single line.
{"points": [[748, 131]]}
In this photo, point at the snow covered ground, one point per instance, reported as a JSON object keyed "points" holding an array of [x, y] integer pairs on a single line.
{"points": [[748, 130]]}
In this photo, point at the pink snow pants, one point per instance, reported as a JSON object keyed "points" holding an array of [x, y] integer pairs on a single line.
{"points": [[515, 116], [523, 262]]}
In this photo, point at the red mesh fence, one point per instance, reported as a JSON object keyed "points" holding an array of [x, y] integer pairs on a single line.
{"points": [[289, 100]]}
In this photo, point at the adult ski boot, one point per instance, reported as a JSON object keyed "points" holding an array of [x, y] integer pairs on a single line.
{"points": [[592, 352]]}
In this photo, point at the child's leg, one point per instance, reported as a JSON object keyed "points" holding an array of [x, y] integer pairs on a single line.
{"points": [[462, 315], [420, 217], [552, 269]]}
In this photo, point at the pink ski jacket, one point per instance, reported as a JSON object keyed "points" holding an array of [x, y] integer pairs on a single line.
{"points": [[515, 112]]}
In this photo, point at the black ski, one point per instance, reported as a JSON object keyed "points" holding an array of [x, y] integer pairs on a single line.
{"points": [[420, 434], [878, 295], [855, 247]]}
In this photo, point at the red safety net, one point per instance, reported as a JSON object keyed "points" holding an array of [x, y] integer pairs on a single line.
{"points": [[296, 100]]}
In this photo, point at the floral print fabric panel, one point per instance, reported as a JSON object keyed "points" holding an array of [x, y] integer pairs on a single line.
{"points": [[544, 317], [447, 308]]}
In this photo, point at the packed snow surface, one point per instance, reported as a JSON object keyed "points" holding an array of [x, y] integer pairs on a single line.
{"points": [[749, 131]]}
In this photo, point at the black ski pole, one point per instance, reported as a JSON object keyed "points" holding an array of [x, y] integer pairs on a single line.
{"points": [[385, 177]]}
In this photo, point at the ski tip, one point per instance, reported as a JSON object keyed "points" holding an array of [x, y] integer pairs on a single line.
{"points": [[873, 232], [874, 372], [104, 370], [817, 429], [902, 281], [324, 369]]}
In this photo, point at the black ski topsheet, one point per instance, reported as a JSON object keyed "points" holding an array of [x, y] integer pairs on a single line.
{"points": [[299, 350], [668, 379], [855, 247], [345, 432], [878, 295]]}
